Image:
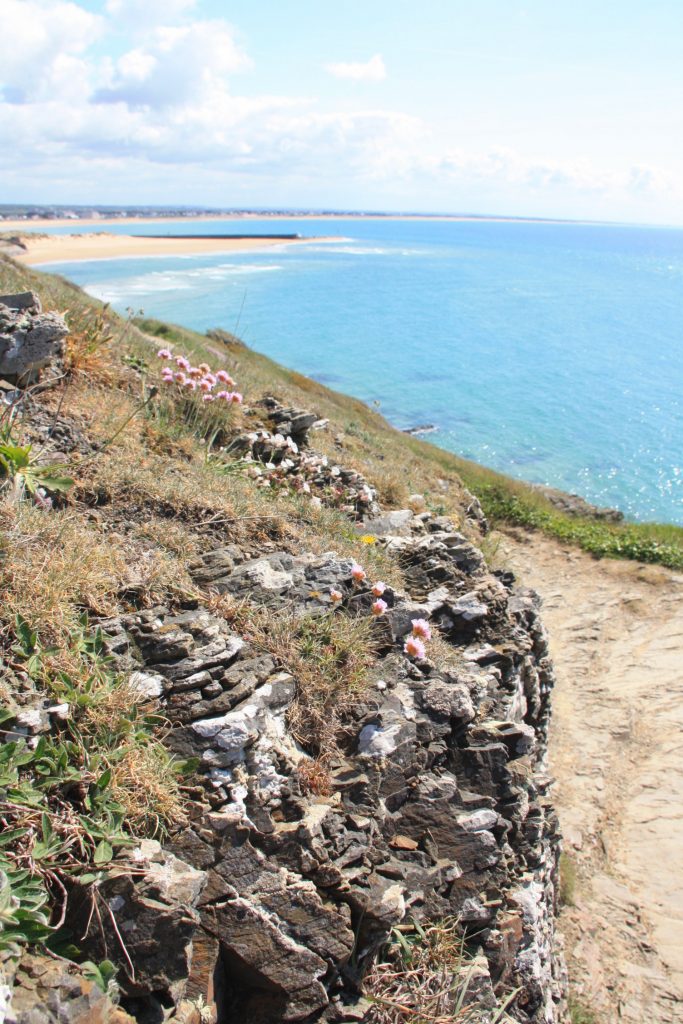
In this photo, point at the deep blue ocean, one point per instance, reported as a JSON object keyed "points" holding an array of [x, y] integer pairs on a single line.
{"points": [[551, 352]]}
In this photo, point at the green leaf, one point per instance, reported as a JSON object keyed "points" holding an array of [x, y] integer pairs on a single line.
{"points": [[103, 852]]}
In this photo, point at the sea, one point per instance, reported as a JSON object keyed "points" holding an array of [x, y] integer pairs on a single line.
{"points": [[552, 352]]}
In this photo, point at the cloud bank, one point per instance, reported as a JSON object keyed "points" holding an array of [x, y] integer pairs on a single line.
{"points": [[143, 103]]}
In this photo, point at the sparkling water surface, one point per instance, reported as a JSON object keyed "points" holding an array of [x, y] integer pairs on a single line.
{"points": [[551, 352]]}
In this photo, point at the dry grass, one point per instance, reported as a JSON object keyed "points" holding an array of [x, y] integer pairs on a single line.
{"points": [[329, 657], [145, 782], [54, 565], [424, 978]]}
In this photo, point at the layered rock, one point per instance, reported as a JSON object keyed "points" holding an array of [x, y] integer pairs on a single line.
{"points": [[29, 338], [438, 804]]}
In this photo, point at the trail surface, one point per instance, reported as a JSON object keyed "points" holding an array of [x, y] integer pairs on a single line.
{"points": [[616, 750]]}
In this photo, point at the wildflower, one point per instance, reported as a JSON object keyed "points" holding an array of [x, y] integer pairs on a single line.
{"points": [[415, 648], [379, 606], [164, 353], [179, 377], [205, 368], [191, 384], [211, 379], [42, 499], [378, 588], [367, 538], [357, 573], [223, 395], [207, 398], [224, 377], [167, 374], [335, 596], [205, 385], [182, 363], [236, 398], [195, 372], [421, 629]]}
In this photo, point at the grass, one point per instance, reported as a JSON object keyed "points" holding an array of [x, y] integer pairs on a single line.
{"points": [[579, 1013], [329, 657], [425, 976]]}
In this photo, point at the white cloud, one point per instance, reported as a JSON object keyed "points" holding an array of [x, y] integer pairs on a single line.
{"points": [[38, 43], [372, 70], [166, 113], [141, 13]]}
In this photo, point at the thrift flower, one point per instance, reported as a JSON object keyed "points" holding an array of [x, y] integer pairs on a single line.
{"points": [[415, 648], [211, 378], [182, 362], [379, 606], [195, 372], [236, 398], [164, 353], [205, 385], [205, 368], [179, 377], [378, 588], [224, 395], [224, 377], [335, 596], [357, 573], [191, 384], [208, 398], [421, 629]]}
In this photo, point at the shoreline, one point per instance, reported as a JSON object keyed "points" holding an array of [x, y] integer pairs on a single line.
{"points": [[46, 222], [76, 248]]}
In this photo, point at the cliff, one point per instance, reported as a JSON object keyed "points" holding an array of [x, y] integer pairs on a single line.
{"points": [[275, 732]]}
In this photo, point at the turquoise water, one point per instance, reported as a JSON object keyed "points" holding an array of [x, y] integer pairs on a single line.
{"points": [[551, 352]]}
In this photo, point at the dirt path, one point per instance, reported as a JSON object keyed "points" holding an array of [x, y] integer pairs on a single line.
{"points": [[616, 635]]}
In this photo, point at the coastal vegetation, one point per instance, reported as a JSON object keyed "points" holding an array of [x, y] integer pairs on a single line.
{"points": [[398, 463]]}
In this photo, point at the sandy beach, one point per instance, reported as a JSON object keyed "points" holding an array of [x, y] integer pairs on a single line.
{"points": [[102, 245]]}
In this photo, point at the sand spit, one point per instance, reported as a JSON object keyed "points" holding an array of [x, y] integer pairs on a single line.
{"points": [[103, 245]]}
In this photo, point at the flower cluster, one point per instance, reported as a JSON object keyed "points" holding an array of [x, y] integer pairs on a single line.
{"points": [[359, 577], [198, 380], [276, 461], [415, 644]]}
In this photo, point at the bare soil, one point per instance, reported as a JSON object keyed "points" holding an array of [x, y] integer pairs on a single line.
{"points": [[616, 751]]}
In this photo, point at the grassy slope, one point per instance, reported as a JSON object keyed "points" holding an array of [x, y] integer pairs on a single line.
{"points": [[395, 463]]}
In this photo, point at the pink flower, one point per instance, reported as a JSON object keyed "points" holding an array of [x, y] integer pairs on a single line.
{"points": [[167, 374], [179, 377], [379, 606], [224, 395], [211, 378], [224, 377], [208, 398], [421, 629], [205, 368], [415, 648], [191, 384], [378, 588], [335, 596], [182, 362], [357, 573], [205, 385], [195, 372], [236, 397], [164, 353]]}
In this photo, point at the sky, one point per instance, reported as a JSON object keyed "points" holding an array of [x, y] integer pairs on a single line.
{"points": [[553, 108]]}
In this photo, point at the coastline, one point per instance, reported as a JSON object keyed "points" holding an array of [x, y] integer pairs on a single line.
{"points": [[102, 245], [47, 222]]}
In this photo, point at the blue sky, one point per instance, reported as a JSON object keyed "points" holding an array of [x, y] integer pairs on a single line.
{"points": [[542, 107]]}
